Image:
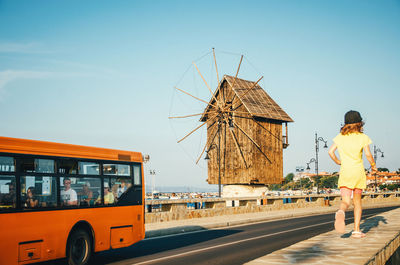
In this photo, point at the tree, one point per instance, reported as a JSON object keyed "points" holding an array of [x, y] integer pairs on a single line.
{"points": [[383, 169], [329, 182], [275, 186], [304, 183], [289, 177], [317, 180]]}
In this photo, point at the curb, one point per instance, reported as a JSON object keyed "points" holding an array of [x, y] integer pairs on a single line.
{"points": [[193, 228]]}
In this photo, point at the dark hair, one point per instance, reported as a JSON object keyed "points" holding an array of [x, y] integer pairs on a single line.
{"points": [[32, 189], [352, 128]]}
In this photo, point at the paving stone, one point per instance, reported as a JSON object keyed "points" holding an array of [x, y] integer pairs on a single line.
{"points": [[382, 239]]}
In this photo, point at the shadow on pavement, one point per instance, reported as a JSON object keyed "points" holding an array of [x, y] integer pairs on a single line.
{"points": [[371, 223], [367, 225], [158, 245], [150, 246], [304, 254]]}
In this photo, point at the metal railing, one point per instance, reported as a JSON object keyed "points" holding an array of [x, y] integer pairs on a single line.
{"points": [[168, 210]]}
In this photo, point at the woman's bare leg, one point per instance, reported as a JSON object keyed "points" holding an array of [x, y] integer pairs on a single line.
{"points": [[357, 211], [346, 200], [340, 224]]}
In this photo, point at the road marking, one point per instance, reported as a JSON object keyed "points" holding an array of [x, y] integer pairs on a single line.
{"points": [[238, 225], [237, 242], [230, 243]]}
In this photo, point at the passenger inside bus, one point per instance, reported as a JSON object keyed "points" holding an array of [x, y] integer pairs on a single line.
{"points": [[9, 198], [31, 200], [87, 195], [108, 195], [122, 187], [68, 195]]}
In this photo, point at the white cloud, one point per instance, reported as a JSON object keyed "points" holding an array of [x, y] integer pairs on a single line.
{"points": [[31, 47], [8, 76]]}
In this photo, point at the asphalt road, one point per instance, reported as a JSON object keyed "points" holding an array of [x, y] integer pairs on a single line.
{"points": [[233, 245]]}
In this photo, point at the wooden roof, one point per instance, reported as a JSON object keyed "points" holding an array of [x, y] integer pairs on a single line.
{"points": [[256, 101]]}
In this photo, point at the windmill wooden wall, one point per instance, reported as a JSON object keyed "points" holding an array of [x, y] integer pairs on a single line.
{"points": [[267, 133]]}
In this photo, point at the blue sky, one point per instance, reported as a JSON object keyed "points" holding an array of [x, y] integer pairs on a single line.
{"points": [[101, 73]]}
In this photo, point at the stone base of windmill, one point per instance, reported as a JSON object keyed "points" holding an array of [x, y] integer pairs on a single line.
{"points": [[231, 191]]}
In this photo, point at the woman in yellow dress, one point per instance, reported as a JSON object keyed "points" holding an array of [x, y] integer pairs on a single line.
{"points": [[350, 143]]}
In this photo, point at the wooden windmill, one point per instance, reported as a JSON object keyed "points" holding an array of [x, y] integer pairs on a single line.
{"points": [[245, 141]]}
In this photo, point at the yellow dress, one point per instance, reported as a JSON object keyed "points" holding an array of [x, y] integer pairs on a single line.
{"points": [[350, 147]]}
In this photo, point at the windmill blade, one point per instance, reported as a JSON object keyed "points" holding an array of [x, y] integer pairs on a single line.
{"points": [[186, 116], [259, 124], [218, 103], [237, 144], [224, 149], [242, 112], [247, 91], [238, 147], [207, 145], [267, 130], [198, 127], [251, 139], [216, 67], [212, 124], [208, 103], [237, 72]]}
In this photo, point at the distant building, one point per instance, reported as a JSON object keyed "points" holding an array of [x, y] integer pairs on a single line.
{"points": [[308, 175], [383, 178]]}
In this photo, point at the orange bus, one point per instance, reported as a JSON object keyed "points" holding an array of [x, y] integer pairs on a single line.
{"points": [[62, 200]]}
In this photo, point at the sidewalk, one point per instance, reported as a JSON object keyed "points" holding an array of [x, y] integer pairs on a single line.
{"points": [[381, 241], [196, 224]]}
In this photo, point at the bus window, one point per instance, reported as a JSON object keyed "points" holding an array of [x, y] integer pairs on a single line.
{"points": [[38, 192], [88, 190], [137, 176], [7, 192], [69, 197], [7, 164], [66, 166], [116, 169], [109, 198], [120, 185], [88, 168], [30, 165]]}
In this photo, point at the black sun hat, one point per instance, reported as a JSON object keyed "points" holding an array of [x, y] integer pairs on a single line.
{"points": [[352, 116]]}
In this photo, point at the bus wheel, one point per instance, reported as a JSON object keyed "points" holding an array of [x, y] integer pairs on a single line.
{"points": [[79, 248]]}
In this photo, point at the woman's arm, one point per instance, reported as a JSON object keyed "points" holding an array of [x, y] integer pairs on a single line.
{"points": [[370, 158], [332, 154], [31, 202]]}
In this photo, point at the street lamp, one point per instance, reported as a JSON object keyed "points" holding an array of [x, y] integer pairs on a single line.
{"points": [[376, 151], [315, 160], [312, 160], [153, 174]]}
